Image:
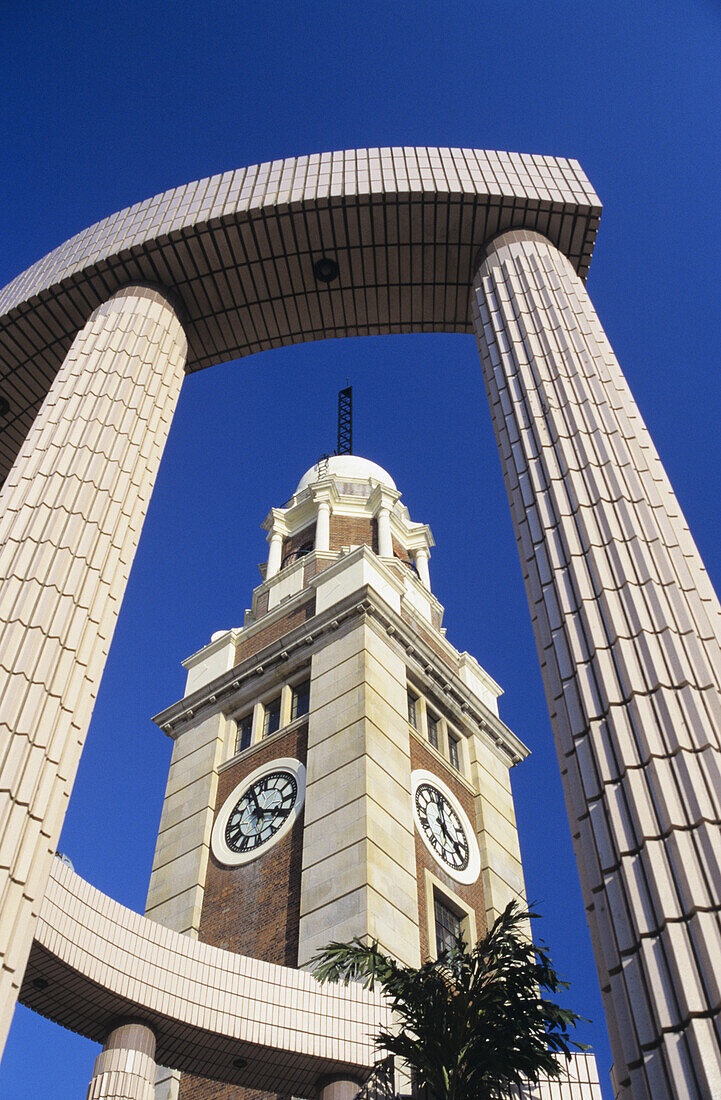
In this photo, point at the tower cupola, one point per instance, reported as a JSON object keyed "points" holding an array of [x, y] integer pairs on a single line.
{"points": [[342, 502]]}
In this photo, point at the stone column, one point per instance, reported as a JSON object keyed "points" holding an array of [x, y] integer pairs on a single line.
{"points": [[385, 541], [71, 512], [421, 557], [322, 526], [381, 502], [274, 554], [627, 631], [125, 1068]]}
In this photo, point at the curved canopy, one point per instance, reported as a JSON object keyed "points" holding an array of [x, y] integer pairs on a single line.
{"points": [[94, 962], [239, 254]]}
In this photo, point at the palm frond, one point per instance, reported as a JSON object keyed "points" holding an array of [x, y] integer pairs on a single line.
{"points": [[473, 1021]]}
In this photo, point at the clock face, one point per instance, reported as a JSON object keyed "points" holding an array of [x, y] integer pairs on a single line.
{"points": [[258, 812], [444, 827], [261, 811]]}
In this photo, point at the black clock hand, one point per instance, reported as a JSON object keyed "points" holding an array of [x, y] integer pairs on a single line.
{"points": [[277, 811], [442, 816]]}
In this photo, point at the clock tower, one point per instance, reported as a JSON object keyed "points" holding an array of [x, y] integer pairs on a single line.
{"points": [[339, 768]]}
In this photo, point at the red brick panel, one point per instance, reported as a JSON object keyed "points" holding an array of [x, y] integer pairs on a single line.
{"points": [[401, 552], [253, 909], [275, 630], [429, 638], [352, 531], [304, 539]]}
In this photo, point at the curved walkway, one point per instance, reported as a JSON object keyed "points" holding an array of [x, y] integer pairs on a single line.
{"points": [[94, 962]]}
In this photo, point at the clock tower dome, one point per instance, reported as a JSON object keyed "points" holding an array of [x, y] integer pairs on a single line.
{"points": [[339, 768]]}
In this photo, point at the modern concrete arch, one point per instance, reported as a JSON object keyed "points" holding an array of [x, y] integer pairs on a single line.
{"points": [[627, 626], [236, 253]]}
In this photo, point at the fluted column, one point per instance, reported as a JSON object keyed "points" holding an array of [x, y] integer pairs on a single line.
{"points": [[71, 512], [627, 631], [125, 1068]]}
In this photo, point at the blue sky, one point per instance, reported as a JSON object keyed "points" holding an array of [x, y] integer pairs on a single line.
{"points": [[107, 104]]}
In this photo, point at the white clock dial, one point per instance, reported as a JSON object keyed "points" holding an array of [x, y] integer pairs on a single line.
{"points": [[444, 827], [259, 812]]}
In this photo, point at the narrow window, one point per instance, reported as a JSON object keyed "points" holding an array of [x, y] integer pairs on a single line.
{"points": [[413, 709], [301, 700], [453, 752], [271, 718], [242, 736], [448, 926], [432, 729]]}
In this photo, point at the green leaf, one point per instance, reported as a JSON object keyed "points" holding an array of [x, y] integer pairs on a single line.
{"points": [[473, 1021]]}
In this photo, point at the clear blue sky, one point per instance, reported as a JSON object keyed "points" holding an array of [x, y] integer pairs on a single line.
{"points": [[106, 104]]}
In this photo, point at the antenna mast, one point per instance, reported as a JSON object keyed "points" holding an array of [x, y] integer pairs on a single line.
{"points": [[345, 421]]}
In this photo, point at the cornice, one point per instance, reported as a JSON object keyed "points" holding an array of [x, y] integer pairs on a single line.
{"points": [[360, 552], [427, 666]]}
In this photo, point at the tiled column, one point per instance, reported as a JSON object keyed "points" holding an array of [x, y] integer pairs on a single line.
{"points": [[125, 1068], [339, 1088], [627, 630], [71, 513]]}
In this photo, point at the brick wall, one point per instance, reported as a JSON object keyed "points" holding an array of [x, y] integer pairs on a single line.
{"points": [[253, 909], [275, 630], [352, 531], [472, 895], [429, 637], [400, 552]]}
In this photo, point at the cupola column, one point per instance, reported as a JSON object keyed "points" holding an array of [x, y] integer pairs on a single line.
{"points": [[382, 501], [323, 495], [421, 557], [274, 554], [322, 526], [385, 542]]}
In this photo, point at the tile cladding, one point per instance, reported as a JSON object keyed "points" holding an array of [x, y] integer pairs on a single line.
{"points": [[236, 252], [101, 962]]}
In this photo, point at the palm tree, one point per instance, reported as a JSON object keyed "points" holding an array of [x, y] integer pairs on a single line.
{"points": [[470, 1023]]}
